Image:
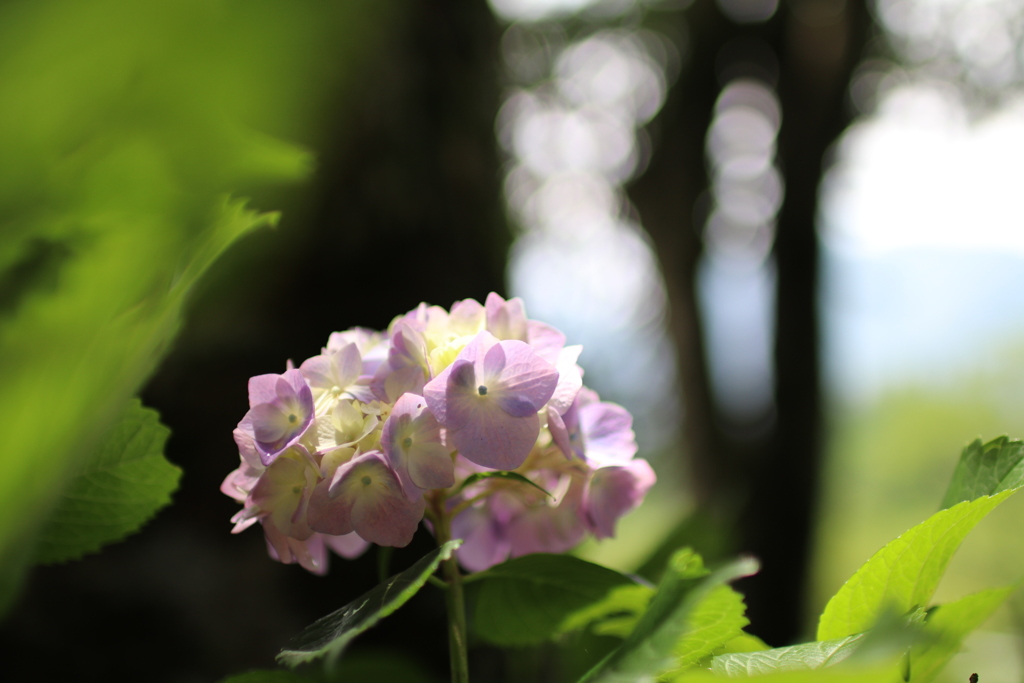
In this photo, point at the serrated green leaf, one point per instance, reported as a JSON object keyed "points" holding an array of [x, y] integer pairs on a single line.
{"points": [[986, 469], [744, 642], [649, 650], [715, 620], [905, 573], [508, 476], [330, 635], [948, 625], [805, 657], [125, 482], [530, 599]]}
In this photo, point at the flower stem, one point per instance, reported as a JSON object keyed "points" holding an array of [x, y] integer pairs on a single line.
{"points": [[454, 601], [456, 621]]}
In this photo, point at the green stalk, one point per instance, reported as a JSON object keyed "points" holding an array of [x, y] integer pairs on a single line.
{"points": [[456, 621], [454, 600]]}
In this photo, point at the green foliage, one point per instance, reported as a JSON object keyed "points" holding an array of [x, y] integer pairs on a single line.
{"points": [[268, 676], [330, 635], [650, 650], [530, 599], [831, 675], [807, 656], [986, 469], [118, 490], [716, 620], [120, 159], [615, 615], [948, 625], [113, 184], [905, 573]]}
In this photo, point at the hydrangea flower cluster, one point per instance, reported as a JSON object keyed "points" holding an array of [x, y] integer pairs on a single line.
{"points": [[381, 430]]}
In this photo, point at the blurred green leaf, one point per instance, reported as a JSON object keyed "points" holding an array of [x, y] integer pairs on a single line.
{"points": [[330, 635], [831, 675], [986, 469], [268, 676], [615, 615], [716, 620], [808, 656], [708, 534], [650, 649], [948, 625], [905, 573], [127, 129], [120, 488], [742, 643], [530, 599]]}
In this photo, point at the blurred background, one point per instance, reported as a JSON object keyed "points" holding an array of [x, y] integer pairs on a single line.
{"points": [[788, 233]]}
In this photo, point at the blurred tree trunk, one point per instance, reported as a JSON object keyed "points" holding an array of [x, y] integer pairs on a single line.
{"points": [[769, 483]]}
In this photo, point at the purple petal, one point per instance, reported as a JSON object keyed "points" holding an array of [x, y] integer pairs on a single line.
{"points": [[608, 435], [495, 439], [559, 434], [484, 542], [270, 422], [614, 491], [457, 379], [570, 381], [349, 546], [545, 529], [545, 340], [326, 515], [310, 553], [380, 511], [282, 492], [467, 317], [411, 440], [527, 381], [244, 439], [262, 389], [506, 319]]}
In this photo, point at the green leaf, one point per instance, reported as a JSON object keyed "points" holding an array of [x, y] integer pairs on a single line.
{"points": [[508, 476], [125, 482], [985, 469], [948, 625], [905, 573], [830, 675], [650, 648], [808, 656], [716, 620], [615, 615], [330, 635], [742, 643], [268, 676], [530, 599]]}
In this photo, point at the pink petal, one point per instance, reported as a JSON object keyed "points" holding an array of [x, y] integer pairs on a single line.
{"points": [[607, 433], [349, 546], [484, 543], [614, 491], [380, 511], [496, 439], [545, 340]]}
